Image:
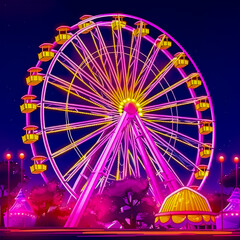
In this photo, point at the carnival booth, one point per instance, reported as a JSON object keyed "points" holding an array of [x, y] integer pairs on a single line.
{"points": [[231, 213], [20, 214], [186, 209]]}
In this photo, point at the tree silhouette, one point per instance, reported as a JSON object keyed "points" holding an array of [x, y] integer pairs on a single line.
{"points": [[43, 197], [125, 201]]}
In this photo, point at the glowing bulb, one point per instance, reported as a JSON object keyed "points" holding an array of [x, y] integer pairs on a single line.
{"points": [[128, 99], [21, 155], [124, 100], [137, 104], [8, 156], [133, 100], [139, 109], [121, 106], [140, 114]]}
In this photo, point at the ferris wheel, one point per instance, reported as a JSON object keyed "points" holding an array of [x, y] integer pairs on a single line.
{"points": [[119, 97]]}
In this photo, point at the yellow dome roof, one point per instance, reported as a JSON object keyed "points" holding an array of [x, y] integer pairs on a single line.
{"points": [[185, 199], [185, 205]]}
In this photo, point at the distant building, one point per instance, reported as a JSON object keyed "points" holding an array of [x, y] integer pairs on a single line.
{"points": [[231, 213], [21, 213]]}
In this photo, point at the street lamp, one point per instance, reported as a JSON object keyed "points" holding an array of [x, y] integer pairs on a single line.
{"points": [[8, 158], [22, 157], [221, 160], [236, 160]]}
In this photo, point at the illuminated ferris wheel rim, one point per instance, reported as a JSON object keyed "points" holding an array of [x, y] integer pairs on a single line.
{"points": [[74, 27]]}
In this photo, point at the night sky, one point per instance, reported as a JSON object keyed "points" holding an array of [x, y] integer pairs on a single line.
{"points": [[208, 30]]}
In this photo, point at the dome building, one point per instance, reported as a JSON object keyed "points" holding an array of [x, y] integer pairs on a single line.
{"points": [[185, 208]]}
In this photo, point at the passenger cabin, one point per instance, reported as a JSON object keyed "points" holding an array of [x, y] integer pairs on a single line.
{"points": [[38, 166], [63, 34], [194, 81], [202, 105], [141, 29], [118, 23], [205, 127], [46, 54], [201, 172], [28, 106], [181, 60], [35, 77], [205, 151], [30, 136], [86, 24], [163, 42]]}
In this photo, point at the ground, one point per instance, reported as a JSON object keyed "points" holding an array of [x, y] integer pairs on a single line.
{"points": [[61, 234]]}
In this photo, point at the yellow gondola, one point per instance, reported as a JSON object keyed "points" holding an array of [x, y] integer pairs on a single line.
{"points": [[141, 29], [202, 105], [201, 172], [195, 81], [205, 127], [86, 24], [181, 61], [63, 34], [163, 42], [28, 106], [46, 54], [34, 77], [118, 23], [38, 166], [30, 136]]}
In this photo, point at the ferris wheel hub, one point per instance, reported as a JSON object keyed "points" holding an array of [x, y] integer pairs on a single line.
{"points": [[130, 108]]}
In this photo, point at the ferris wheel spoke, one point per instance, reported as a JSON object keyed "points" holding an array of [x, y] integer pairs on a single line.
{"points": [[86, 157], [165, 91], [110, 165], [81, 140], [98, 100], [122, 53], [113, 71], [115, 56], [147, 66], [76, 94], [103, 46], [134, 155], [176, 133], [100, 56], [73, 106], [135, 57], [77, 125], [177, 103], [157, 79], [167, 145], [75, 111], [103, 75], [173, 135], [76, 71]]}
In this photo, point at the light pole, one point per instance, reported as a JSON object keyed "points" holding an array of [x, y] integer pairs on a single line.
{"points": [[22, 157], [8, 158], [221, 160], [236, 160]]}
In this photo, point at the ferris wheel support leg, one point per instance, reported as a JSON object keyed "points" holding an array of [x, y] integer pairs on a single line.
{"points": [[167, 172], [81, 204], [148, 166]]}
